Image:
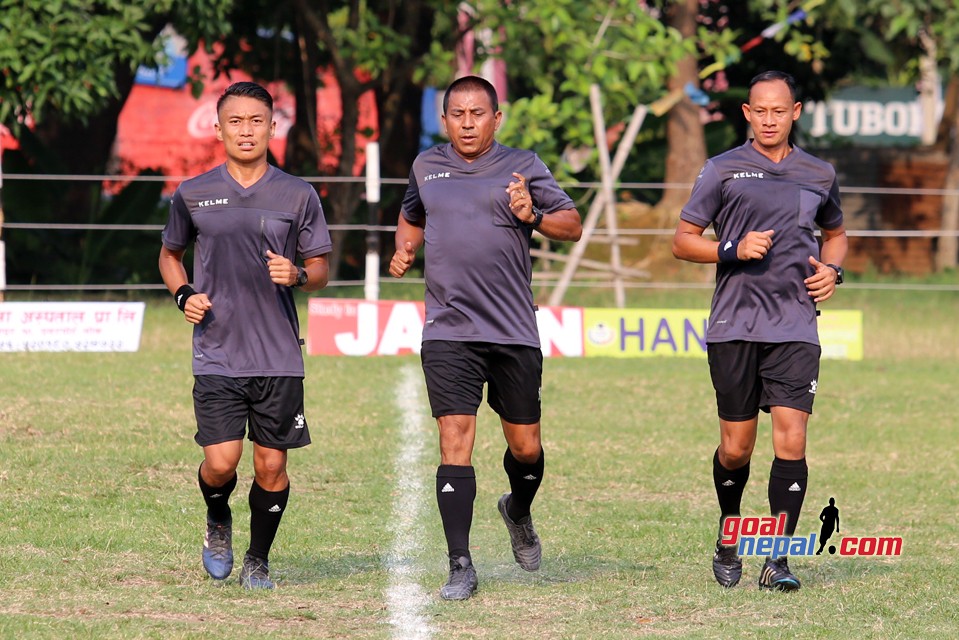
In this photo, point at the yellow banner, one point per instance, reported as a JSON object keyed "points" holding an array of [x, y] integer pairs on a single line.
{"points": [[636, 333]]}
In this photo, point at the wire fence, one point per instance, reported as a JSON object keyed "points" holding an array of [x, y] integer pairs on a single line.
{"points": [[540, 277]]}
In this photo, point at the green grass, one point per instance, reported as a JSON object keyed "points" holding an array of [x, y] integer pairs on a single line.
{"points": [[101, 521]]}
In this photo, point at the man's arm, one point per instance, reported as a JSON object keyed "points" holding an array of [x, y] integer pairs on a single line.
{"points": [[822, 284], [564, 225], [689, 244], [408, 240], [196, 304], [285, 272]]}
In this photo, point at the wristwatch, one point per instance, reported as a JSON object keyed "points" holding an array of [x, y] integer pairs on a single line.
{"points": [[838, 272], [301, 277], [537, 219]]}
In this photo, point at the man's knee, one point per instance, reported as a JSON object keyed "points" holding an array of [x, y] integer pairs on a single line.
{"points": [[526, 452], [219, 470], [734, 455]]}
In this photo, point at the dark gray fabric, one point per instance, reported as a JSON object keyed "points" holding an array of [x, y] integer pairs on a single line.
{"points": [[741, 191], [252, 329], [478, 268]]}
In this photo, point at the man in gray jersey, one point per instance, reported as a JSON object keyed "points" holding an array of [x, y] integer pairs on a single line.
{"points": [[475, 204], [764, 200], [247, 221]]}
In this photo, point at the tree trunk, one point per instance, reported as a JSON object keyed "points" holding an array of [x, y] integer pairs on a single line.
{"points": [[85, 148], [685, 137], [947, 249], [302, 147]]}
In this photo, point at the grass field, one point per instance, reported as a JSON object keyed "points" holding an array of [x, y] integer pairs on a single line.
{"points": [[101, 518]]}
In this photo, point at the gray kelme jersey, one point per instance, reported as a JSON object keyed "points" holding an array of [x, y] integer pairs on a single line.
{"points": [[252, 329], [741, 191], [478, 268]]}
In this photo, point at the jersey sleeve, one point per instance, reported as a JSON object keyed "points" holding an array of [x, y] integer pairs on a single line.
{"points": [[412, 208], [179, 230], [545, 191], [706, 198], [314, 236], [829, 215]]}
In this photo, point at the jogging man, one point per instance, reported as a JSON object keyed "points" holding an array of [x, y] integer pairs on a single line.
{"points": [[764, 200], [247, 221], [475, 203]]}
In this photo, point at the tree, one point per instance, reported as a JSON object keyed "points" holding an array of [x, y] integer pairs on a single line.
{"points": [[386, 47], [67, 67], [931, 27]]}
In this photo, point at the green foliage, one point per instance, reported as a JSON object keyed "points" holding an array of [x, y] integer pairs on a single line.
{"points": [[61, 56], [901, 25]]}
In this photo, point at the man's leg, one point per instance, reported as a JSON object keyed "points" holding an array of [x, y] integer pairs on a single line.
{"points": [[731, 464], [787, 488], [455, 494], [523, 461], [269, 494], [217, 479], [788, 475], [730, 474]]}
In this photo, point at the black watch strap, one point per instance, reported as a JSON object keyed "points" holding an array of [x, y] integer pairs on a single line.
{"points": [[839, 273], [301, 277], [537, 219]]}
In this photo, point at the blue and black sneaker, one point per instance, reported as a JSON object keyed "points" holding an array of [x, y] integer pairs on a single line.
{"points": [[727, 566], [218, 549], [255, 573], [777, 576]]}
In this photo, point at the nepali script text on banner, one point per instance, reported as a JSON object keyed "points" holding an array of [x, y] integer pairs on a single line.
{"points": [[70, 326]]}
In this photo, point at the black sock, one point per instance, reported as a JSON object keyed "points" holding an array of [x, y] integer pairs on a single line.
{"points": [[217, 498], [455, 492], [266, 510], [730, 484], [787, 490], [524, 481]]}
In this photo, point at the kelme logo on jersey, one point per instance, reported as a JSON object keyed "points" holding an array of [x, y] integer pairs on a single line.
{"points": [[434, 176], [213, 203], [748, 174]]}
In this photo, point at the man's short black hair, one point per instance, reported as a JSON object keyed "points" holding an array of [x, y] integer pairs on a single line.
{"points": [[475, 83], [769, 76], [246, 90]]}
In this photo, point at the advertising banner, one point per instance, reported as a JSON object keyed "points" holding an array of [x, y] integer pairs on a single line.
{"points": [[70, 326], [364, 328]]}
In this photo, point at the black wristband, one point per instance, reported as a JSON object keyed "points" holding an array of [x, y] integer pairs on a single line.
{"points": [[182, 295], [728, 251]]}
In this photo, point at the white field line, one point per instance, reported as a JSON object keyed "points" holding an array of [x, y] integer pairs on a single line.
{"points": [[406, 599]]}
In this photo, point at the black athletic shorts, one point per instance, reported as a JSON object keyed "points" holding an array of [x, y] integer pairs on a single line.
{"points": [[749, 376], [273, 408], [456, 371]]}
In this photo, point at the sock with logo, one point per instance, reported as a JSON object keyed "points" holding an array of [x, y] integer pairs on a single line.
{"points": [[524, 481], [730, 484], [217, 498], [455, 493], [787, 490], [266, 510]]}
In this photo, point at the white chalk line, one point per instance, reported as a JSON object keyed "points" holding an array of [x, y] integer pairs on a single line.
{"points": [[406, 598]]}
